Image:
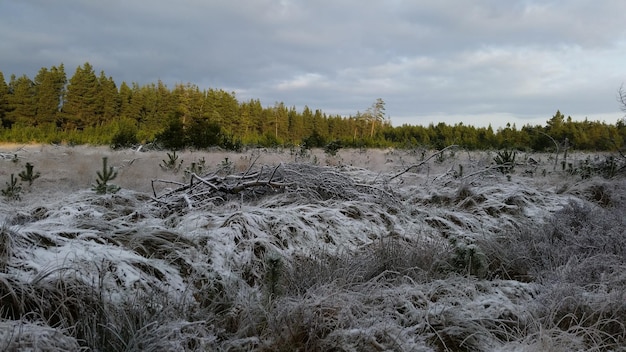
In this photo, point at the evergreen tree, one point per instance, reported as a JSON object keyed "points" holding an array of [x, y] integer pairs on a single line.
{"points": [[126, 96], [223, 108], [49, 91], [254, 110], [307, 121], [189, 102], [21, 101], [279, 121], [108, 100], [81, 102], [4, 100], [555, 126], [202, 133], [295, 126], [163, 105]]}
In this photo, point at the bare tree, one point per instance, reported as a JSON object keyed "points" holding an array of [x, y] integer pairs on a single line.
{"points": [[375, 113], [621, 97]]}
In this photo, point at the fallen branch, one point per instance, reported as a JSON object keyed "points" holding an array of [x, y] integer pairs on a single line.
{"points": [[490, 168], [306, 181], [423, 162]]}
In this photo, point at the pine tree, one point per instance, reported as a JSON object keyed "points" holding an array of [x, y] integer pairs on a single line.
{"points": [[108, 101], [375, 114], [80, 106], [49, 90], [164, 105], [21, 101], [126, 96], [295, 125], [4, 100]]}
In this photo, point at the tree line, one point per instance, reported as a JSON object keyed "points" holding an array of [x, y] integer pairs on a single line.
{"points": [[91, 108]]}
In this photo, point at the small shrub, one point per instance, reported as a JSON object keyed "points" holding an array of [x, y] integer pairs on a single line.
{"points": [[469, 259], [226, 166], [172, 163], [195, 168], [609, 168], [28, 175], [12, 190], [332, 148], [126, 136], [315, 140], [505, 161], [229, 142], [173, 137], [107, 174]]}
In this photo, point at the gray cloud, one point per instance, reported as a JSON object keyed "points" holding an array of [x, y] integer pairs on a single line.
{"points": [[487, 61]]}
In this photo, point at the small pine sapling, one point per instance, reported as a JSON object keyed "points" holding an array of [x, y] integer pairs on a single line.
{"points": [[172, 163], [506, 161], [12, 190], [28, 175], [332, 148], [195, 168], [225, 167], [107, 174]]}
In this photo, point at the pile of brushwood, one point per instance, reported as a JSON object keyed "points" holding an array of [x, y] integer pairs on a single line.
{"points": [[305, 181]]}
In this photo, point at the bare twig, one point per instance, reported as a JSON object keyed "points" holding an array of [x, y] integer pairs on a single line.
{"points": [[308, 181], [621, 97], [423, 162], [490, 168], [556, 144], [182, 186]]}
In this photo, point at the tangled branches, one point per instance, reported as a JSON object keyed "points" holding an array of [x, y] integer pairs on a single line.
{"points": [[306, 181]]}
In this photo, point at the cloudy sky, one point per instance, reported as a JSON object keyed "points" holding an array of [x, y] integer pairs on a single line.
{"points": [[476, 62]]}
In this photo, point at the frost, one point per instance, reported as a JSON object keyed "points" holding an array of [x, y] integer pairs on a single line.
{"points": [[310, 257]]}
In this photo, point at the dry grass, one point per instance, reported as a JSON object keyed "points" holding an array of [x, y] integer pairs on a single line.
{"points": [[442, 262]]}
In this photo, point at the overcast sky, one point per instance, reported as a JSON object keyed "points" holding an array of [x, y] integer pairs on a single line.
{"points": [[476, 62]]}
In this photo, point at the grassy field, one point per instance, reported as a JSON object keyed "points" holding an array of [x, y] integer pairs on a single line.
{"points": [[290, 250]]}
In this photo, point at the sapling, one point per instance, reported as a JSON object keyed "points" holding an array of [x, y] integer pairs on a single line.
{"points": [[195, 168], [28, 175], [172, 163], [225, 167], [12, 190], [226, 164], [107, 174], [506, 161]]}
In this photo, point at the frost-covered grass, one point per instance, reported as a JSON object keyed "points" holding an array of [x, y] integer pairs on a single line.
{"points": [[345, 257]]}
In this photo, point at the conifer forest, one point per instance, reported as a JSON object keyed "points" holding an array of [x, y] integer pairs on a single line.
{"points": [[90, 108]]}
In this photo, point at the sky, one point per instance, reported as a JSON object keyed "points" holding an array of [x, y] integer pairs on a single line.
{"points": [[477, 62]]}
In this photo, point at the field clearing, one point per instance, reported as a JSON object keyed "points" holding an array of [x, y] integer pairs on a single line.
{"points": [[354, 252]]}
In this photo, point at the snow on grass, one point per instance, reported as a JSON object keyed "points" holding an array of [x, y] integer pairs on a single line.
{"points": [[326, 257]]}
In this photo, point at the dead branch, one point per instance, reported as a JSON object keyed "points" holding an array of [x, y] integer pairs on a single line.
{"points": [[306, 181], [487, 169], [621, 97], [181, 186], [423, 162]]}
